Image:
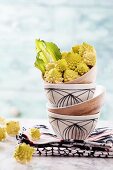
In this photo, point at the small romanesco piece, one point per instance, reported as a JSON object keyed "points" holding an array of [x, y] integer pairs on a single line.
{"points": [[35, 133], [72, 60], [2, 121], [12, 128], [76, 48], [23, 153], [64, 54], [70, 75], [2, 133], [89, 58], [53, 76], [82, 68], [49, 66], [61, 65], [86, 48]]}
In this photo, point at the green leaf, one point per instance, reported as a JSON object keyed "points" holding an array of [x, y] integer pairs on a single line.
{"points": [[53, 50], [39, 63], [41, 52], [46, 52]]}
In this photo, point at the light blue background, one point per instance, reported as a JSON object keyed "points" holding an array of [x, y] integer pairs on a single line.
{"points": [[65, 22]]}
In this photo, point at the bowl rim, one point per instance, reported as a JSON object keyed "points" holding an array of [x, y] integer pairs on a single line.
{"points": [[69, 86], [86, 117], [102, 91]]}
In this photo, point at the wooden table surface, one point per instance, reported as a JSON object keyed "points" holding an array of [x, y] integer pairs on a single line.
{"points": [[7, 162]]}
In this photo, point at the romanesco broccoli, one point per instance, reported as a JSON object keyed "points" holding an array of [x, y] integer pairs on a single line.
{"points": [[49, 66], [12, 128], [70, 75], [64, 54], [53, 76], [61, 65], [82, 68], [2, 133], [35, 133], [86, 48], [89, 58], [76, 48], [72, 60], [23, 153]]}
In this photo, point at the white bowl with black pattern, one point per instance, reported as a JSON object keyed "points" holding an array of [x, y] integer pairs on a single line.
{"points": [[60, 95], [73, 127]]}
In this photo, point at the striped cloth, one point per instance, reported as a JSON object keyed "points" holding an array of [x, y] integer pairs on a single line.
{"points": [[99, 144]]}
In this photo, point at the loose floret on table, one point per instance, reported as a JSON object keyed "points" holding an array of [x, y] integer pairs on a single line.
{"points": [[12, 128], [35, 133], [2, 133], [23, 153]]}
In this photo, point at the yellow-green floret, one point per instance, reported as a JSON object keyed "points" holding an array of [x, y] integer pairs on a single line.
{"points": [[72, 60], [2, 121], [89, 58], [82, 68], [76, 48], [70, 75], [86, 48], [53, 76], [35, 133], [2, 133], [23, 153], [61, 65], [49, 66], [12, 128], [64, 54]]}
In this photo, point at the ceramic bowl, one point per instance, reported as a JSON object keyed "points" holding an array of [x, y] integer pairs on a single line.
{"points": [[89, 77], [89, 107], [72, 127], [61, 95]]}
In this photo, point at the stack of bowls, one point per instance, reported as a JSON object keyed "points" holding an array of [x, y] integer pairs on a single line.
{"points": [[74, 108]]}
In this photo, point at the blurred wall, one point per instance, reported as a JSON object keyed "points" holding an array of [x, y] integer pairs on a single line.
{"points": [[63, 22]]}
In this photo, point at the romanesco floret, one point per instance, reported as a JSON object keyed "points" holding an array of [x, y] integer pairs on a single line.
{"points": [[72, 60], [35, 133], [89, 58], [61, 65], [82, 68], [86, 48], [76, 48], [2, 133], [64, 54], [70, 75], [53, 76], [2, 121], [49, 66], [23, 153], [12, 128]]}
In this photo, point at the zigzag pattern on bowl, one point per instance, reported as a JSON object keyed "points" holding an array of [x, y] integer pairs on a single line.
{"points": [[68, 98], [67, 128]]}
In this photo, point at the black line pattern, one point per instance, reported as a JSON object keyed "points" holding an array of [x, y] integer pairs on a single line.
{"points": [[70, 129], [99, 148], [66, 97]]}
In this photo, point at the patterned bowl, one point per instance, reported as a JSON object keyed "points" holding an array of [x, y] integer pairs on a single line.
{"points": [[60, 95], [73, 127], [89, 107]]}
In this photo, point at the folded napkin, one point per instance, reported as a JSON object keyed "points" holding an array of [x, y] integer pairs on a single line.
{"points": [[99, 143]]}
